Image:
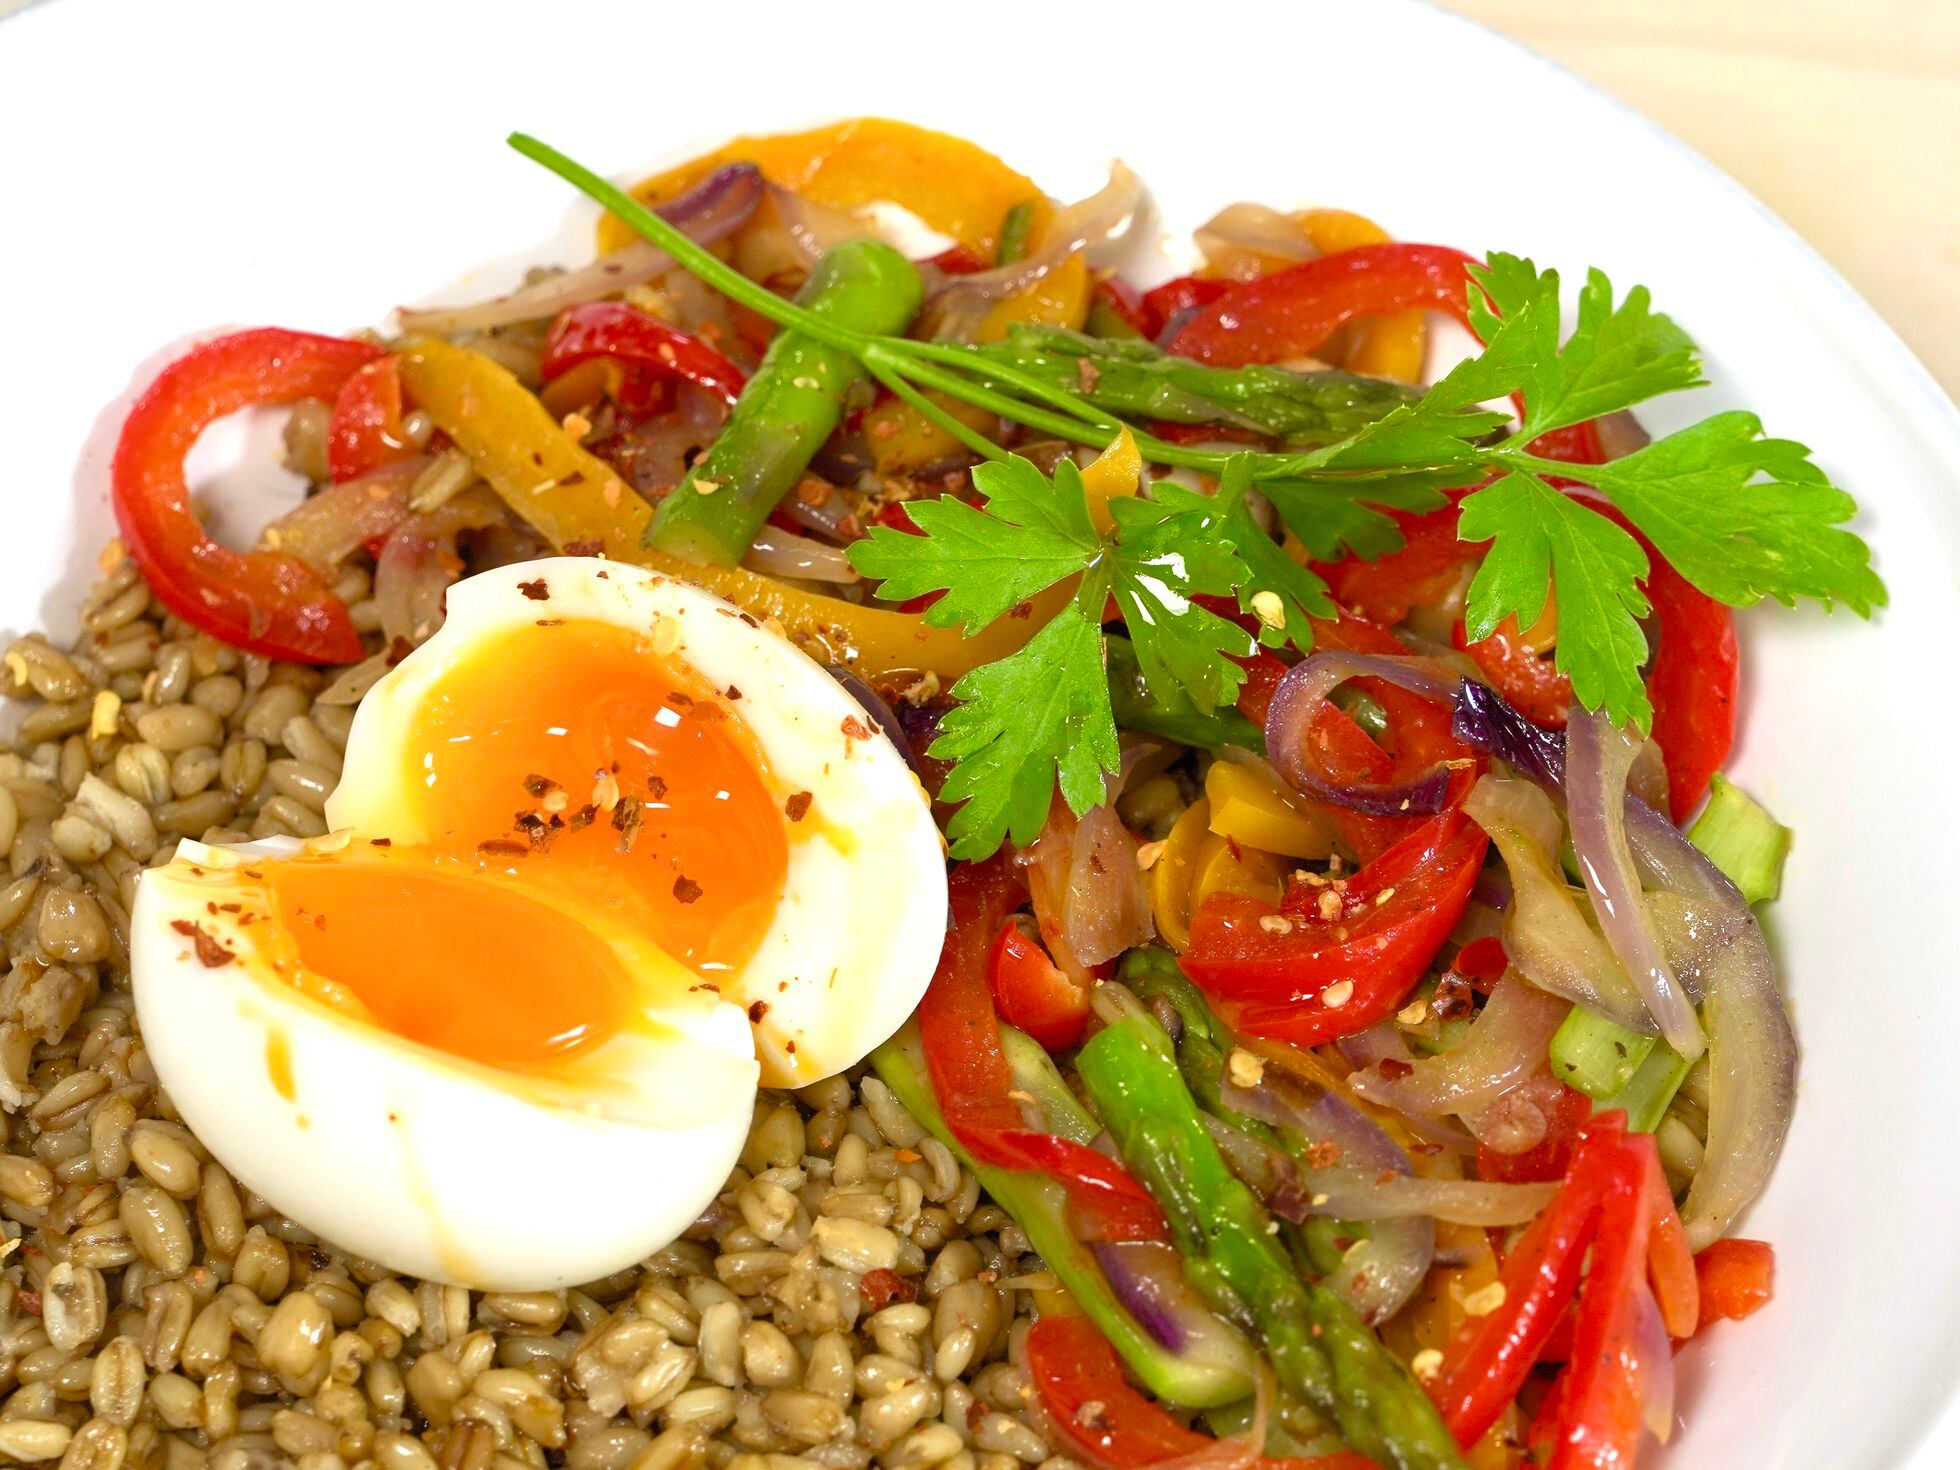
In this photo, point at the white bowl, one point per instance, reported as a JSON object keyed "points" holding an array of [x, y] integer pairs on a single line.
{"points": [[171, 170]]}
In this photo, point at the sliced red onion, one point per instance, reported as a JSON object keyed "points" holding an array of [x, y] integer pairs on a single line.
{"points": [[419, 562], [325, 529], [1505, 1042], [1545, 934], [1485, 720], [778, 553], [1295, 1192], [1752, 1048], [811, 228], [1087, 890], [1297, 702], [1653, 1365], [831, 516], [1243, 240], [1091, 226], [874, 705], [712, 210], [1378, 1275], [1751, 1044], [1147, 1277], [1598, 757]]}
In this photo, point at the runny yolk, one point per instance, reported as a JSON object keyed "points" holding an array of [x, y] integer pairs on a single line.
{"points": [[442, 958], [574, 759], [564, 782]]}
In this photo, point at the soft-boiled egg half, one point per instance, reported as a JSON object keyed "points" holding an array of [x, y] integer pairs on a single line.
{"points": [[606, 855]]}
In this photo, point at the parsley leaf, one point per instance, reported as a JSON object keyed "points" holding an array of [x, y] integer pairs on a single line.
{"points": [[1744, 517], [1165, 556], [1540, 537], [1024, 722], [1267, 568], [1033, 533]]}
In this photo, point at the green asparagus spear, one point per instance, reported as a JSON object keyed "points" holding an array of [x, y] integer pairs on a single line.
{"points": [[1136, 380], [1316, 1242], [791, 405], [1038, 1206], [1015, 227], [1742, 839], [1172, 713], [1320, 1349]]}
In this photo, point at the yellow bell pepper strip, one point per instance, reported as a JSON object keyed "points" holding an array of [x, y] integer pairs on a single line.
{"points": [[1383, 347], [576, 501], [1251, 808], [956, 187], [1117, 471], [1171, 875]]}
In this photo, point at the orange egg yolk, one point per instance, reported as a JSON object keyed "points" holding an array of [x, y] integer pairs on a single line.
{"points": [[442, 958], [562, 781]]}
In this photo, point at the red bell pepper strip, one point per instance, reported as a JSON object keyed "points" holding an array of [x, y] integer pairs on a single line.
{"points": [[970, 1076], [1375, 934], [1292, 312], [1031, 992], [1671, 1263], [1613, 1206], [614, 329], [1599, 1411], [1737, 1278], [1488, 1360], [262, 601], [1174, 302], [1105, 1423], [365, 432]]}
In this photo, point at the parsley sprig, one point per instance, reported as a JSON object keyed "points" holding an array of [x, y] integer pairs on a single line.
{"points": [[1742, 516]]}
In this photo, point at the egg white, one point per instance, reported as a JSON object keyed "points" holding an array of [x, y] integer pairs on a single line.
{"points": [[427, 1163], [863, 912]]}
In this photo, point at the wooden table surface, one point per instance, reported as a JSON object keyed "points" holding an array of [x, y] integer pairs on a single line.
{"points": [[1842, 115]]}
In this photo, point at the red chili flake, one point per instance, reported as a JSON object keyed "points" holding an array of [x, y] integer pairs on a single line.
{"points": [[536, 785], [381, 842], [1394, 1069], [733, 693], [880, 1288], [30, 1304], [1454, 998], [583, 817], [757, 1010], [589, 547], [1427, 1150], [975, 1411], [855, 728], [1021, 610], [210, 953], [536, 590], [626, 819], [577, 477], [680, 699], [551, 622], [686, 889], [790, 1047], [658, 786], [1323, 1155], [798, 805], [502, 847], [1387, 1176]]}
